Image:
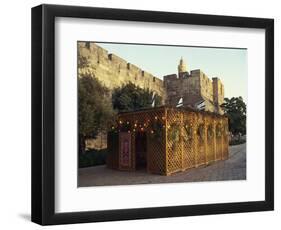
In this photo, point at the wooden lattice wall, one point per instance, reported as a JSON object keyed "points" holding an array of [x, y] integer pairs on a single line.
{"points": [[177, 139], [202, 138]]}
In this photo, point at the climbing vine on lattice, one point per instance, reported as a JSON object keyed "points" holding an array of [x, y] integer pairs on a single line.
{"points": [[200, 131], [157, 130], [210, 131], [188, 132], [174, 132], [218, 130]]}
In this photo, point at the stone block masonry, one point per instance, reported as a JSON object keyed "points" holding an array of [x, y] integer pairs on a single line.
{"points": [[114, 71], [194, 88], [191, 87]]}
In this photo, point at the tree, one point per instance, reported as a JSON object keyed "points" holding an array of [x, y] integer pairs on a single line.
{"points": [[235, 109], [130, 97], [95, 108]]}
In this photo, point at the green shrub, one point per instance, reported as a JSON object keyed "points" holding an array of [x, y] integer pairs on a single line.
{"points": [[237, 142], [93, 158]]}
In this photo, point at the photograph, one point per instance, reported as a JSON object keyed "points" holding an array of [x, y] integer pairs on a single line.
{"points": [[154, 113], [142, 114]]}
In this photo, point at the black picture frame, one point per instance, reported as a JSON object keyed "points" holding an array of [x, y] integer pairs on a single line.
{"points": [[43, 110]]}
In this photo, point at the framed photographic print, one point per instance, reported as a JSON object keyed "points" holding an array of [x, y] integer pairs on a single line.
{"points": [[143, 114]]}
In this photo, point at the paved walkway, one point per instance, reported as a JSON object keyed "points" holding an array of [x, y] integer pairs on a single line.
{"points": [[233, 168]]}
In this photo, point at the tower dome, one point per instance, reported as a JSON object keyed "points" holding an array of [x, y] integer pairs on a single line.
{"points": [[182, 67]]}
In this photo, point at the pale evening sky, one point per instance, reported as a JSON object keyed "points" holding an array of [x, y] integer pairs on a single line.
{"points": [[230, 65]]}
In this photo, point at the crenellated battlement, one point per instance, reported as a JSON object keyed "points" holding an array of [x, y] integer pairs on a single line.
{"points": [[114, 71], [193, 88]]}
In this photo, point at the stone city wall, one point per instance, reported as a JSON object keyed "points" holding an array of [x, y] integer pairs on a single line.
{"points": [[114, 71]]}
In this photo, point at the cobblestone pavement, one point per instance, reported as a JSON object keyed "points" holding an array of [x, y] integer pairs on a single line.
{"points": [[233, 168]]}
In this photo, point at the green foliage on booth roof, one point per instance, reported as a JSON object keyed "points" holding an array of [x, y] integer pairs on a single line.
{"points": [[130, 97]]}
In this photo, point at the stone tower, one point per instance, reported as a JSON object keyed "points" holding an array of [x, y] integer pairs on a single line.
{"points": [[195, 89], [218, 94], [182, 69]]}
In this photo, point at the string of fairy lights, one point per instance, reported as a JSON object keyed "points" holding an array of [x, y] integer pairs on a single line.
{"points": [[140, 126], [156, 125]]}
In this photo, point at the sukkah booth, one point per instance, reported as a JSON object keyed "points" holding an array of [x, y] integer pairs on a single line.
{"points": [[166, 140]]}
